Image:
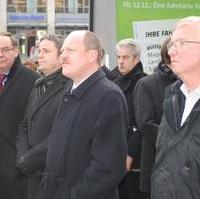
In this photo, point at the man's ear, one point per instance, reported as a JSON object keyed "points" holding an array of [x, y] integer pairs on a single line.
{"points": [[92, 55], [16, 51]]}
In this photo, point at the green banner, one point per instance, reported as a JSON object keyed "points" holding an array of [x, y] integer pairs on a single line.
{"points": [[129, 11]]}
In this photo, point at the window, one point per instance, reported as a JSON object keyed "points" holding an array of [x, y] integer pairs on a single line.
{"points": [[86, 6], [42, 6], [16, 5], [61, 6], [83, 6]]}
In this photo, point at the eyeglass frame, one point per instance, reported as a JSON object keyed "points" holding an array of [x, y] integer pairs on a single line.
{"points": [[6, 50], [180, 43]]}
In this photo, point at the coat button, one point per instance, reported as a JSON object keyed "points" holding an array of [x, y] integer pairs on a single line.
{"points": [[66, 99]]}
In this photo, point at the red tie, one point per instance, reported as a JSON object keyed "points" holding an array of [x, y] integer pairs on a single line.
{"points": [[2, 78]]}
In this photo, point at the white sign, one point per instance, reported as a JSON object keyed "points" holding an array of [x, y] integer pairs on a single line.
{"points": [[151, 34]]}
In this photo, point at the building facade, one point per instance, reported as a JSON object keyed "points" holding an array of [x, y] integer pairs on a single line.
{"points": [[29, 20]]}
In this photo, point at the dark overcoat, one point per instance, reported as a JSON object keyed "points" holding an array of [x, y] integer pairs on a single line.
{"points": [[177, 164], [148, 102], [13, 101], [87, 150], [34, 130], [127, 84], [128, 188]]}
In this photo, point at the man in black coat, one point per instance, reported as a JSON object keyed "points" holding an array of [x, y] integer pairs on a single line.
{"points": [[14, 94], [87, 150], [148, 103], [43, 102], [130, 71]]}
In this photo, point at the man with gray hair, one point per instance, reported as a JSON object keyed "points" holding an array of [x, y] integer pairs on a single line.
{"points": [[131, 70], [177, 164]]}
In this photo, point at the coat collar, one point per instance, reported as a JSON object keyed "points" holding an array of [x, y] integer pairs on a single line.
{"points": [[125, 81], [48, 79], [56, 86], [17, 65], [138, 69], [81, 89]]}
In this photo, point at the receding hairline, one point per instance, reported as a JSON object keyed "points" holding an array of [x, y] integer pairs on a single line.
{"points": [[89, 40], [11, 37], [191, 20]]}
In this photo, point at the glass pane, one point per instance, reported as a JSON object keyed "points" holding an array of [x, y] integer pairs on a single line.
{"points": [[80, 6], [42, 5], [86, 6], [21, 5], [59, 6]]}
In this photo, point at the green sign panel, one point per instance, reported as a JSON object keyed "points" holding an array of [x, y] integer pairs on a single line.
{"points": [[129, 11]]}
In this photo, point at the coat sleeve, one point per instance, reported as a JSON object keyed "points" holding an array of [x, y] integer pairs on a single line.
{"points": [[22, 136], [22, 141], [145, 111], [33, 162], [109, 150]]}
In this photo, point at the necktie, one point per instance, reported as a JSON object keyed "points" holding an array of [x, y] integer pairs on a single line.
{"points": [[2, 78]]}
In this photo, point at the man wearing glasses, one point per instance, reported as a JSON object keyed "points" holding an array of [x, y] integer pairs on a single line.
{"points": [[16, 82], [177, 165]]}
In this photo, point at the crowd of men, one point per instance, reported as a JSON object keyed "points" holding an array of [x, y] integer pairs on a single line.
{"points": [[75, 130]]}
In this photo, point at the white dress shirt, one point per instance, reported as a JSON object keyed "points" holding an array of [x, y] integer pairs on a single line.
{"points": [[190, 100]]}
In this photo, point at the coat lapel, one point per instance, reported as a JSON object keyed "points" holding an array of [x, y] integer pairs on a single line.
{"points": [[51, 92]]}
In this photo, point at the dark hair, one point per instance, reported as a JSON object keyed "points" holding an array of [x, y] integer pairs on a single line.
{"points": [[165, 58], [11, 36], [56, 39]]}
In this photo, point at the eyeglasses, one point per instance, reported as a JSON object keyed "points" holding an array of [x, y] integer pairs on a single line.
{"points": [[5, 51], [178, 44]]}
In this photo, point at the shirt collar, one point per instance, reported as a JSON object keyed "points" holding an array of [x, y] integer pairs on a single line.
{"points": [[89, 81], [195, 93]]}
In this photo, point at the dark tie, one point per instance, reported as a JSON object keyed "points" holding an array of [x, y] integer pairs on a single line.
{"points": [[2, 78]]}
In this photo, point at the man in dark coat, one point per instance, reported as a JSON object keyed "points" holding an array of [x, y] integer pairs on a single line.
{"points": [[14, 93], [43, 102], [87, 149], [177, 164], [130, 71], [148, 103]]}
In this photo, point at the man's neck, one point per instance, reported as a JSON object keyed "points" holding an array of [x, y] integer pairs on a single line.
{"points": [[78, 81], [191, 83]]}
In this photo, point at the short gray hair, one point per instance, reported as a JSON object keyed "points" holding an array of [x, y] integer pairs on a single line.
{"points": [[187, 20], [131, 44]]}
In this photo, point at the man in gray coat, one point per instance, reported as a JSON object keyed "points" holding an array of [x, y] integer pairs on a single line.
{"points": [[87, 150], [14, 92], [177, 164]]}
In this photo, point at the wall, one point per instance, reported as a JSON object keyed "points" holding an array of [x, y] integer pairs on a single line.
{"points": [[104, 18]]}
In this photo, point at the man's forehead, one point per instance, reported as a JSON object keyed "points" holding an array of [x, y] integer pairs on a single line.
{"points": [[5, 40], [72, 42], [183, 31], [47, 44], [188, 27]]}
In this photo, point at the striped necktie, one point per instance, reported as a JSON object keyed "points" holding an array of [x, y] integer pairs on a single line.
{"points": [[2, 78]]}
